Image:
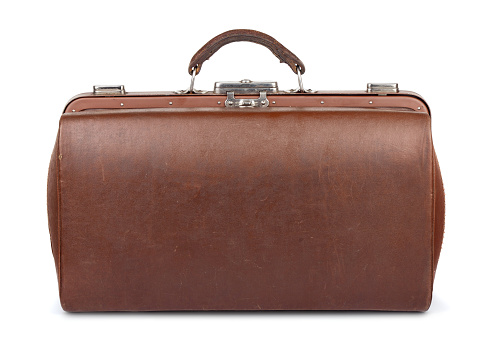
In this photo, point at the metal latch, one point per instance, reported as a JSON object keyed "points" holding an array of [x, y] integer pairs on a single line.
{"points": [[244, 87], [232, 102], [109, 89], [383, 88]]}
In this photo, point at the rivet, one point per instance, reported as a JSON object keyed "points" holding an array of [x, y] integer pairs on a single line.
{"points": [[322, 102], [59, 157], [419, 107], [371, 101], [121, 104], [73, 110], [219, 102], [273, 102]]}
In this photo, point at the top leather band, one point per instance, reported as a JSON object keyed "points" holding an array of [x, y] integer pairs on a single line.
{"points": [[282, 53]]}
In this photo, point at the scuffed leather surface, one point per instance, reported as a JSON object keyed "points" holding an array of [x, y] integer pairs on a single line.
{"points": [[261, 209]]}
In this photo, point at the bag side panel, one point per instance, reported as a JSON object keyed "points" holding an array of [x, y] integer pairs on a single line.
{"points": [[53, 206]]}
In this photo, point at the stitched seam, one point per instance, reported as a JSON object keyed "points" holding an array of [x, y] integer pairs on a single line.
{"points": [[433, 208], [59, 222], [432, 231], [442, 228]]}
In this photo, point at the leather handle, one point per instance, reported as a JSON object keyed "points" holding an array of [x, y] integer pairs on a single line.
{"points": [[282, 53]]}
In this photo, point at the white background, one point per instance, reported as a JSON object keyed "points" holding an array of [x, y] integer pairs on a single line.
{"points": [[444, 50]]}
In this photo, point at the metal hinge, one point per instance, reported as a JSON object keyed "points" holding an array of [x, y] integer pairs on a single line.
{"points": [[109, 89], [383, 88]]}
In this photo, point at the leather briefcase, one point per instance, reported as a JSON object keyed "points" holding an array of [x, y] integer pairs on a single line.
{"points": [[245, 197]]}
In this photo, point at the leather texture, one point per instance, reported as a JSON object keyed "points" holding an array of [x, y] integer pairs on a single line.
{"points": [[252, 209], [282, 53]]}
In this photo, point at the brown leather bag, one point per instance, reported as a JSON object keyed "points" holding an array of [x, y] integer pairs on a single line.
{"points": [[245, 198]]}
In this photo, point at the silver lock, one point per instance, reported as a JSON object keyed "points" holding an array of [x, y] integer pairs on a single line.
{"points": [[232, 102], [244, 87]]}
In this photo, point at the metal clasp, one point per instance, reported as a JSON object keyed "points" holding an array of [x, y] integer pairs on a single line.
{"points": [[232, 102], [109, 89], [382, 88], [245, 86]]}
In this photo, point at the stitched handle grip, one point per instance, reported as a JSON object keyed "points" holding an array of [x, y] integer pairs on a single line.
{"points": [[282, 53]]}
